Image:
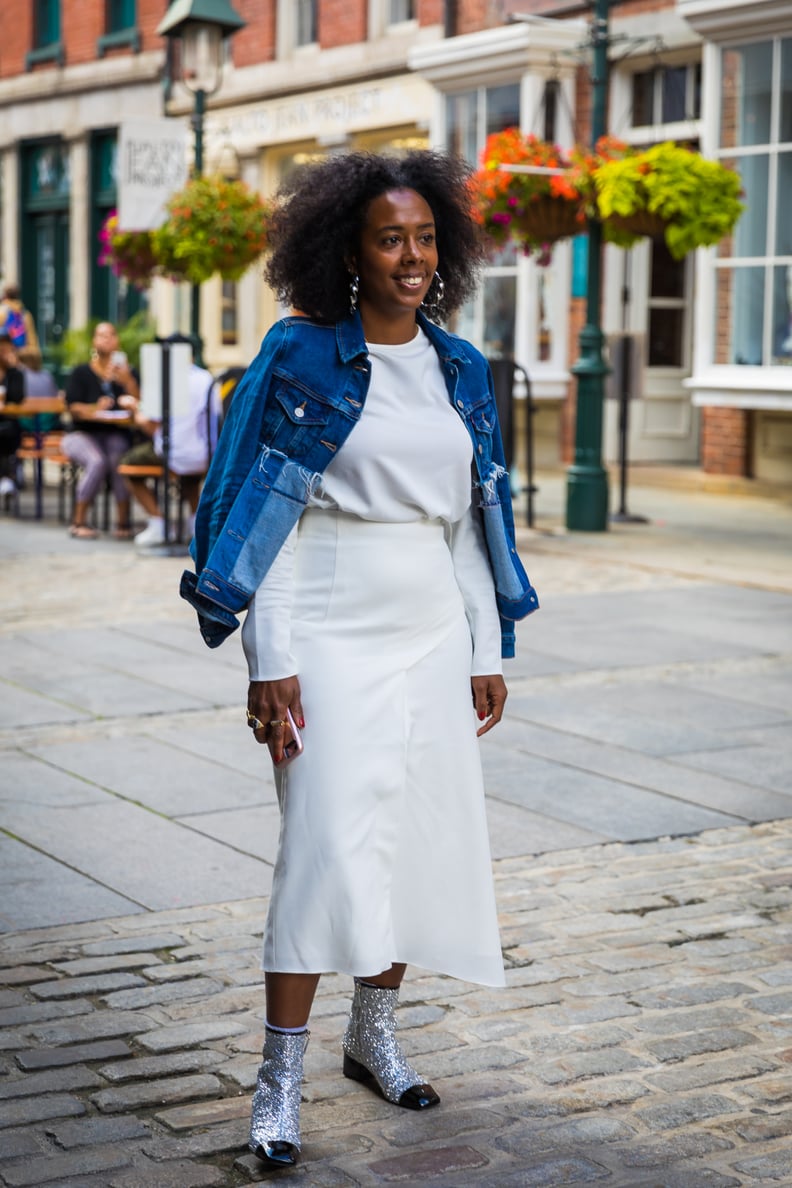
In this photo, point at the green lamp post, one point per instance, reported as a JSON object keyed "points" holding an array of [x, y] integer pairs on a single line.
{"points": [[587, 479], [202, 29]]}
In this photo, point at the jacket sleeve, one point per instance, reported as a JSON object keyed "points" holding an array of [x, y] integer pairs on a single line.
{"points": [[237, 447]]}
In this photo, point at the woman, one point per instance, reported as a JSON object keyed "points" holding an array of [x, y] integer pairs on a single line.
{"points": [[104, 385], [368, 612]]}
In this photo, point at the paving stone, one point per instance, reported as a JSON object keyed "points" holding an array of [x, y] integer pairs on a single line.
{"points": [[314, 1176], [165, 1039], [162, 994], [54, 1166], [759, 1129], [772, 1166], [156, 1093], [89, 1132], [683, 1110], [426, 1165], [407, 1130], [553, 1172], [133, 944], [15, 1144], [694, 1043], [711, 1072], [689, 995], [179, 1174], [768, 1090], [10, 998], [678, 1021], [22, 975], [99, 1025], [37, 1012], [205, 1113], [587, 1064], [37, 1058], [23, 1111], [672, 1149], [212, 1140], [51, 1081], [95, 984], [149, 1067], [773, 1004], [109, 963], [693, 1177]]}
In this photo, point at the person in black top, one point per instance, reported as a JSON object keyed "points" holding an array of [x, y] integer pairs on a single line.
{"points": [[106, 386], [12, 391]]}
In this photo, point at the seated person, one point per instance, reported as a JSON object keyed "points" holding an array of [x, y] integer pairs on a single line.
{"points": [[105, 384], [12, 391], [189, 451], [39, 384]]}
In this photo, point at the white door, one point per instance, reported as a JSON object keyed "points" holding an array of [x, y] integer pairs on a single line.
{"points": [[649, 295]]}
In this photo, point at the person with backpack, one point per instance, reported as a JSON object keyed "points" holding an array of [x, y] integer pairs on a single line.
{"points": [[16, 321]]}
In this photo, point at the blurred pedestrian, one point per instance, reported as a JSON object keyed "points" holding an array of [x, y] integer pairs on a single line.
{"points": [[12, 391], [15, 320]]}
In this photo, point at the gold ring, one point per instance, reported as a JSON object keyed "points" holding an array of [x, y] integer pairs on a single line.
{"points": [[278, 722], [253, 722]]}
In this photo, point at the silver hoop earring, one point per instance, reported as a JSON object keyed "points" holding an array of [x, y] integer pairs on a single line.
{"points": [[354, 289], [433, 302]]}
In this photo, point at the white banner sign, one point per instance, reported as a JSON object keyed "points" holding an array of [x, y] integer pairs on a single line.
{"points": [[152, 165]]}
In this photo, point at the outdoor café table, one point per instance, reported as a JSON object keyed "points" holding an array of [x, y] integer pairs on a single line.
{"points": [[36, 408]]}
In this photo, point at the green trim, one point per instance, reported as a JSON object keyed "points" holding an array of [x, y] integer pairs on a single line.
{"points": [[123, 37], [47, 53]]}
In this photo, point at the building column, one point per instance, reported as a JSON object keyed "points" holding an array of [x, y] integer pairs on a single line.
{"points": [[12, 214], [80, 247]]}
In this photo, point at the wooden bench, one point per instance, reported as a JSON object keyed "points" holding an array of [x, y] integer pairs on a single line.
{"points": [[156, 471]]}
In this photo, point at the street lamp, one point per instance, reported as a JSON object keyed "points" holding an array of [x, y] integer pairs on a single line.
{"points": [[587, 479], [201, 28]]}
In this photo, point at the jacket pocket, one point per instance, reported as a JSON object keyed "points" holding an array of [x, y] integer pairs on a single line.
{"points": [[292, 412]]}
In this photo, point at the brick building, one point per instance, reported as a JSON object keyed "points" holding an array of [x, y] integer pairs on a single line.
{"points": [[309, 77]]}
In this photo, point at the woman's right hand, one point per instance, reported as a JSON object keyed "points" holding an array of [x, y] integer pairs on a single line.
{"points": [[268, 701]]}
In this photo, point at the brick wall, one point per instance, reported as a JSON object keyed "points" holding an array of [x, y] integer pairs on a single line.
{"points": [[342, 22], [725, 441], [256, 42]]}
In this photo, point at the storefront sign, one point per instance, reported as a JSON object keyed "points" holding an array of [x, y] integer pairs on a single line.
{"points": [[325, 115], [152, 164]]}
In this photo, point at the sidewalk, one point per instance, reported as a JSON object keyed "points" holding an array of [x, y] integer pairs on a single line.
{"points": [[639, 798]]}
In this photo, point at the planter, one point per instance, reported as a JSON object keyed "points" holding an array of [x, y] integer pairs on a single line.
{"points": [[641, 223], [546, 220]]}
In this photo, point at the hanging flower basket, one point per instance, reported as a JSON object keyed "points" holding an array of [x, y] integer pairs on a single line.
{"points": [[130, 254], [667, 190], [546, 220], [535, 210], [213, 226]]}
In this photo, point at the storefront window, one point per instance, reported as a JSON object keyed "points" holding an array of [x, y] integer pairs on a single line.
{"points": [[754, 265], [48, 23], [666, 95], [489, 319], [306, 22]]}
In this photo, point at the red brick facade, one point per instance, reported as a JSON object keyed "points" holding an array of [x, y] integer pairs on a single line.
{"points": [[725, 441]]}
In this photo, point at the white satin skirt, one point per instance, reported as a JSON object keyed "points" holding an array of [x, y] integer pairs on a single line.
{"points": [[384, 854]]}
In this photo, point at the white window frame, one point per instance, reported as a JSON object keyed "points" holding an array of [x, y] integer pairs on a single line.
{"points": [[286, 31]]}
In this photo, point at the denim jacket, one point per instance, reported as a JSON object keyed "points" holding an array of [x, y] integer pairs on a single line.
{"points": [[293, 410]]}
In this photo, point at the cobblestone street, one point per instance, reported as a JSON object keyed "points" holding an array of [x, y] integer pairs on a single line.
{"points": [[639, 798]]}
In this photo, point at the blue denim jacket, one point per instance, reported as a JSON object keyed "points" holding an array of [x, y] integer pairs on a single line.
{"points": [[293, 410]]}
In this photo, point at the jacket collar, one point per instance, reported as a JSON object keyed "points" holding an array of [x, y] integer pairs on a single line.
{"points": [[352, 341]]}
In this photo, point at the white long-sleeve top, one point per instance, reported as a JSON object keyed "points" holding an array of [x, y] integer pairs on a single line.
{"points": [[408, 458]]}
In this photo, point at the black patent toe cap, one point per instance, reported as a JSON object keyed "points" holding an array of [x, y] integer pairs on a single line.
{"points": [[419, 1097]]}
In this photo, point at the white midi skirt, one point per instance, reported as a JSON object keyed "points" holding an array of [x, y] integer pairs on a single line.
{"points": [[383, 854]]}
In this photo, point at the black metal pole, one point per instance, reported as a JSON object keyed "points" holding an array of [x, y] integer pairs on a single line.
{"points": [[195, 292], [166, 402]]}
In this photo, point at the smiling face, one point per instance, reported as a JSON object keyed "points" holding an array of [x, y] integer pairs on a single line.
{"points": [[396, 263]]}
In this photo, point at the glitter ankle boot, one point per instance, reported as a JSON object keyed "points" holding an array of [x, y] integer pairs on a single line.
{"points": [[372, 1053], [275, 1118]]}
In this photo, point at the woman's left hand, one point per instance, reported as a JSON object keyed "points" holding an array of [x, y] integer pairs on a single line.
{"points": [[489, 699]]}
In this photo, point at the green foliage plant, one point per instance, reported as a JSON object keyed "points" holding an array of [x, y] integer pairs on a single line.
{"points": [[697, 201], [213, 226]]}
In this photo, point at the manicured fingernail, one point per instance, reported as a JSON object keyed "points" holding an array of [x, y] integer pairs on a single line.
{"points": [[301, 723], [482, 715]]}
